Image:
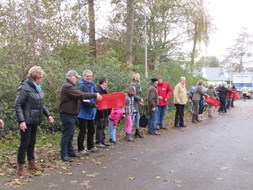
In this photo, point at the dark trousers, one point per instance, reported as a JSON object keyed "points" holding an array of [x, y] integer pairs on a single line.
{"points": [[232, 102], [201, 106], [68, 129], [100, 130], [222, 106], [84, 127], [179, 115], [27, 143]]}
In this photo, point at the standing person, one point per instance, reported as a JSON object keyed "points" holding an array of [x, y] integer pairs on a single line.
{"points": [[101, 117], [223, 92], [114, 118], [87, 114], [180, 99], [129, 111], [136, 118], [234, 92], [164, 93], [244, 92], [199, 91], [212, 93], [30, 108], [152, 107], [229, 97], [68, 108]]}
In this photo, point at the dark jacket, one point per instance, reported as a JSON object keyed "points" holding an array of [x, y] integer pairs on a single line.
{"points": [[69, 97], [29, 104], [223, 91], [152, 96], [87, 110], [101, 114]]}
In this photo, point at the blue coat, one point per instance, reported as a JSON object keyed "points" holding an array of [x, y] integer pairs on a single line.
{"points": [[87, 110]]}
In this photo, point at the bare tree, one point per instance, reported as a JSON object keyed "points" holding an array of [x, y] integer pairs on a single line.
{"points": [[240, 53]]}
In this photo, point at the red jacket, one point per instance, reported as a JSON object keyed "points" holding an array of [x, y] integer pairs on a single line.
{"points": [[165, 91]]}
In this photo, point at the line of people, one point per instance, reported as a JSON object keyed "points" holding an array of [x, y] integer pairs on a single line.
{"points": [[226, 94], [79, 102]]}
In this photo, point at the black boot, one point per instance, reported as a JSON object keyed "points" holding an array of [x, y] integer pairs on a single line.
{"points": [[138, 134]]}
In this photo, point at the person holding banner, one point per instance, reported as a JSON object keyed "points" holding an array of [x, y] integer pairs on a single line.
{"points": [[212, 93], [234, 94]]}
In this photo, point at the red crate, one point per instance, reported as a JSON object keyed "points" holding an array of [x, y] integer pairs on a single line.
{"points": [[237, 96], [112, 100], [212, 101]]}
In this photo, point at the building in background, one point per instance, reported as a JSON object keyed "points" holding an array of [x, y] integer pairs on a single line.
{"points": [[215, 75]]}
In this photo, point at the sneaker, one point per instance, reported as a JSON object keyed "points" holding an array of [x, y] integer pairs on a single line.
{"points": [[114, 142], [106, 144], [83, 153], [67, 159], [93, 150], [100, 145], [75, 154]]}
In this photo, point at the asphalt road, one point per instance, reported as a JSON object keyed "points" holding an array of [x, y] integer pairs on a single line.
{"points": [[215, 154]]}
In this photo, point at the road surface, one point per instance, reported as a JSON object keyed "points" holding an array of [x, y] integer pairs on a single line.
{"points": [[215, 154]]}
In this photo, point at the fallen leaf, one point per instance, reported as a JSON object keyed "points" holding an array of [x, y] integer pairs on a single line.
{"points": [[92, 175], [68, 173], [73, 181], [158, 177], [131, 178]]}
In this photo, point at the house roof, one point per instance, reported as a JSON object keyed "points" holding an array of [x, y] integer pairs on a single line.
{"points": [[214, 74]]}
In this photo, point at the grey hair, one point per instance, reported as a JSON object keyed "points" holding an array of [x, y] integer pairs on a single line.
{"points": [[87, 71]]}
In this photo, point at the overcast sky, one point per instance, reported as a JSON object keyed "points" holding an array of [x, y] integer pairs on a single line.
{"points": [[229, 16]]}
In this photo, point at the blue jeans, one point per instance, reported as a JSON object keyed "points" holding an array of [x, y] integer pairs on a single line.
{"points": [[152, 120], [68, 129], [112, 131], [136, 120], [160, 115]]}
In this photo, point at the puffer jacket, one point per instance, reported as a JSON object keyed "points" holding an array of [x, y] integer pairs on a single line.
{"points": [[87, 110], [29, 104]]}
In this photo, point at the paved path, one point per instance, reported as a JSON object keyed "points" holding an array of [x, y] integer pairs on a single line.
{"points": [[215, 154]]}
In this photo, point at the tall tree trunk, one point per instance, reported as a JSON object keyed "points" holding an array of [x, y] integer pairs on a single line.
{"points": [[129, 34], [193, 53], [92, 39]]}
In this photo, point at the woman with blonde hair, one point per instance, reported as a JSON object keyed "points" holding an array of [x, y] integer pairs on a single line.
{"points": [[135, 82], [30, 108]]}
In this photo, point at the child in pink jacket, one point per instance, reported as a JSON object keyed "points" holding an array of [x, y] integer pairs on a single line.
{"points": [[114, 118]]}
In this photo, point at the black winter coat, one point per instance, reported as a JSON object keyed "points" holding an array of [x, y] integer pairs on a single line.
{"points": [[29, 104], [102, 114]]}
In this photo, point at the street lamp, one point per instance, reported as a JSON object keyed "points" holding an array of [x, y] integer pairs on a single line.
{"points": [[145, 44]]}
